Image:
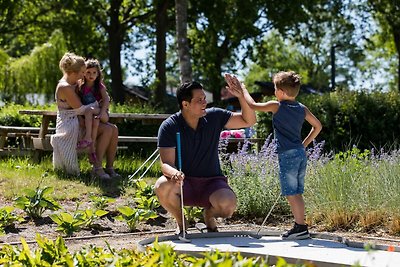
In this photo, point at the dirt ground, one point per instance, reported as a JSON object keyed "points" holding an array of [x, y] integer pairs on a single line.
{"points": [[117, 235]]}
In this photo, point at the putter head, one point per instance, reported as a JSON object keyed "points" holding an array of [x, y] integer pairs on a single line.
{"points": [[184, 239], [182, 236], [256, 236]]}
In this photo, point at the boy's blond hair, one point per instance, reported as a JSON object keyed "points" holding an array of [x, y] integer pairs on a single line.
{"points": [[288, 81], [70, 63]]}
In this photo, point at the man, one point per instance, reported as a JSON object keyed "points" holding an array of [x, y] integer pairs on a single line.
{"points": [[203, 182]]}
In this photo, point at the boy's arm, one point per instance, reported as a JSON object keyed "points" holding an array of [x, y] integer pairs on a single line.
{"points": [[270, 106], [316, 127]]}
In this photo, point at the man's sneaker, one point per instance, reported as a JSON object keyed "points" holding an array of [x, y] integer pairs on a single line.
{"points": [[298, 232]]}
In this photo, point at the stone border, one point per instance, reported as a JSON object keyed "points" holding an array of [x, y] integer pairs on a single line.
{"points": [[354, 244]]}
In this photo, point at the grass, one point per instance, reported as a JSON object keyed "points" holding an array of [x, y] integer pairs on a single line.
{"points": [[19, 173]]}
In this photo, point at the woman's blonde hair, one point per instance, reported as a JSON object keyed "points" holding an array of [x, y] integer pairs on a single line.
{"points": [[71, 63]]}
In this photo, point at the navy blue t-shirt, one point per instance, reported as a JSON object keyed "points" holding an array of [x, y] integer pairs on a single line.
{"points": [[287, 122], [199, 148]]}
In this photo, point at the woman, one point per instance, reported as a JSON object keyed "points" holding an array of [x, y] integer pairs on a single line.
{"points": [[65, 140]]}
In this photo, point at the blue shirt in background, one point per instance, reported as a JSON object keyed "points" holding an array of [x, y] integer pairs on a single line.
{"points": [[199, 147]]}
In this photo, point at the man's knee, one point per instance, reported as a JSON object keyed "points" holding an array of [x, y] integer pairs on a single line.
{"points": [[227, 209], [162, 187], [224, 202]]}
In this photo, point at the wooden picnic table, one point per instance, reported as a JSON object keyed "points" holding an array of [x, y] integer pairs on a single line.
{"points": [[48, 116]]}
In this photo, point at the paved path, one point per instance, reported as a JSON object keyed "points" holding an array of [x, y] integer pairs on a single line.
{"points": [[322, 252]]}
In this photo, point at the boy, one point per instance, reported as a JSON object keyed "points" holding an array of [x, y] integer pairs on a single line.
{"points": [[288, 118]]}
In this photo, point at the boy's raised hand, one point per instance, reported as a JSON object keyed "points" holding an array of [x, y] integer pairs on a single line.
{"points": [[234, 85]]}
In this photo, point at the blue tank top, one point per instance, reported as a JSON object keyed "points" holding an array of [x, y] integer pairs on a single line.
{"points": [[287, 122]]}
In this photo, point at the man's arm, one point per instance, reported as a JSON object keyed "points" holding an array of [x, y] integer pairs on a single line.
{"points": [[245, 118], [168, 168]]}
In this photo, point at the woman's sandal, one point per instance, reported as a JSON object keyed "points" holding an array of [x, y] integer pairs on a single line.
{"points": [[100, 173], [82, 144], [111, 171]]}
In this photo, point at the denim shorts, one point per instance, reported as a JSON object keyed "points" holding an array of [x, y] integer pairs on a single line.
{"points": [[292, 170]]}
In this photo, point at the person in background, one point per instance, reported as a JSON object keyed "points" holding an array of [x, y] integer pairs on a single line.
{"points": [[93, 90], [68, 130]]}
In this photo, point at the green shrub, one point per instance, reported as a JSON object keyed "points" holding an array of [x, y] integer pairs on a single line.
{"points": [[349, 118]]}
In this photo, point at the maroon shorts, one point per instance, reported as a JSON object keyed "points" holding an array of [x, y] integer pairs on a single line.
{"points": [[197, 190]]}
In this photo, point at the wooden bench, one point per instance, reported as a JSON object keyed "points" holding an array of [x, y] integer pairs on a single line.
{"points": [[19, 132]]}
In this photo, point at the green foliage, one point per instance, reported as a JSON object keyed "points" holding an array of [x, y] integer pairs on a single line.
{"points": [[101, 202], [68, 223], [55, 253], [215, 33], [9, 114], [8, 218], [34, 73], [132, 216], [134, 127], [275, 53], [193, 214], [35, 202], [142, 188], [147, 203]]}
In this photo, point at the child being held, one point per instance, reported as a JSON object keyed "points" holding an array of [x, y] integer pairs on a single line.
{"points": [[93, 91]]}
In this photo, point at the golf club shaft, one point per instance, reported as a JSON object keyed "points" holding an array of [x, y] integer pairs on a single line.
{"points": [[179, 153], [269, 213]]}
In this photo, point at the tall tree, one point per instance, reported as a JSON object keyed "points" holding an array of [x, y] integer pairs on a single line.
{"points": [[162, 25], [217, 28], [388, 12], [117, 18], [328, 37], [181, 7]]}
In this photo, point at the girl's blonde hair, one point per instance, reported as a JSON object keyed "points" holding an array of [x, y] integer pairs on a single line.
{"points": [[71, 63]]}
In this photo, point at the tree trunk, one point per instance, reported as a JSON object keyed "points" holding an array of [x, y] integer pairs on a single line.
{"points": [[161, 47], [115, 39], [181, 35], [396, 34]]}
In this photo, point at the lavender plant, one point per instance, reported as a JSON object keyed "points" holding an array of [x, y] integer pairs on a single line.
{"points": [[253, 175]]}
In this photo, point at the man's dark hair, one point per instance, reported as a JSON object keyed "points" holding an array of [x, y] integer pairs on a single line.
{"points": [[184, 92]]}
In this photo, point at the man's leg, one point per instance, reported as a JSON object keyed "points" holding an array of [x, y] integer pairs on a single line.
{"points": [[223, 204], [168, 194], [296, 203]]}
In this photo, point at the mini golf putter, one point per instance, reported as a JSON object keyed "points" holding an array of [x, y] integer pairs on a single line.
{"points": [[178, 148]]}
